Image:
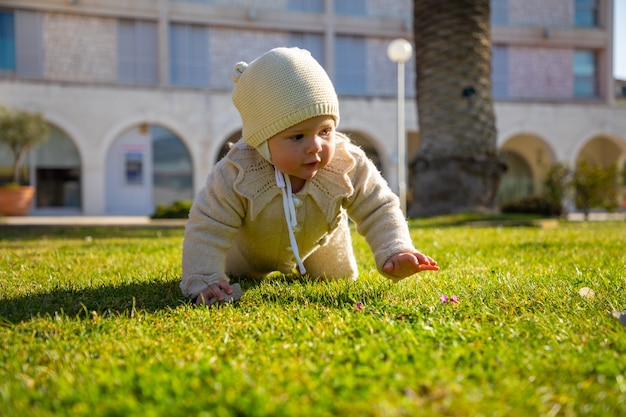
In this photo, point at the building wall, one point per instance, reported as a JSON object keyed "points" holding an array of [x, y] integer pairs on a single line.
{"points": [[537, 117], [540, 73], [541, 12], [79, 48]]}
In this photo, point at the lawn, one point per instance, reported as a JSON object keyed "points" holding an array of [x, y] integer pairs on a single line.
{"points": [[92, 324]]}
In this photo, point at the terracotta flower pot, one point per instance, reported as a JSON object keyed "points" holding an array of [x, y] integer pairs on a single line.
{"points": [[16, 201]]}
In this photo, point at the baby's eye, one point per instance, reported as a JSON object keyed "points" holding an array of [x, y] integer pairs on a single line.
{"points": [[297, 137], [325, 132]]}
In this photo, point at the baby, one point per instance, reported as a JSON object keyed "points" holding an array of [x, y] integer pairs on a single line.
{"points": [[282, 196]]}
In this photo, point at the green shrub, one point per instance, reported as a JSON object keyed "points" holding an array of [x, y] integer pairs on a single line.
{"points": [[556, 184], [534, 204], [595, 186], [177, 210]]}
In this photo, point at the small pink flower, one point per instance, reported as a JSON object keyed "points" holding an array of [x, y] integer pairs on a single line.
{"points": [[445, 299], [359, 306]]}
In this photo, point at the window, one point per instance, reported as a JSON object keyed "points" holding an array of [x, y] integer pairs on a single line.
{"points": [[189, 55], [351, 65], [500, 71], [499, 12], [586, 13], [21, 43], [57, 168], [137, 52], [350, 7], [7, 41], [311, 42], [311, 6], [585, 80]]}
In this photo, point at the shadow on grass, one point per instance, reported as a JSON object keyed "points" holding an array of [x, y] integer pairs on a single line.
{"points": [[101, 232], [123, 299]]}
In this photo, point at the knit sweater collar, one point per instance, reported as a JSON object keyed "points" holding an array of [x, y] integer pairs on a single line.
{"points": [[326, 188]]}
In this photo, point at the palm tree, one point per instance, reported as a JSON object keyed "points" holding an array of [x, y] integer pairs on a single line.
{"points": [[457, 167]]}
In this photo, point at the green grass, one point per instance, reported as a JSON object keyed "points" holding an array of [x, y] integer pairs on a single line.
{"points": [[92, 324]]}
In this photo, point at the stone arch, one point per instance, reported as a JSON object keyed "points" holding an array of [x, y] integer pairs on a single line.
{"points": [[70, 131], [56, 170], [139, 120], [529, 158], [605, 150], [148, 164], [602, 150]]}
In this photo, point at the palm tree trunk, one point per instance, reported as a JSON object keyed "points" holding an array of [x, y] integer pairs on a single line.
{"points": [[457, 168]]}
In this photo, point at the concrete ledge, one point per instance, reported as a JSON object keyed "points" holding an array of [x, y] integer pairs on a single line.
{"points": [[577, 217]]}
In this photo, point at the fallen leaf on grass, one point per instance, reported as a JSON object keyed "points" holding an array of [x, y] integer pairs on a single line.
{"points": [[586, 292]]}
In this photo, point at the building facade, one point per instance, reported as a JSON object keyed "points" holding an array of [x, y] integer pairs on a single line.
{"points": [[138, 94]]}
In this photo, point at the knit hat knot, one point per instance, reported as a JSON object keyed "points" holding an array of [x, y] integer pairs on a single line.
{"points": [[240, 67], [279, 89]]}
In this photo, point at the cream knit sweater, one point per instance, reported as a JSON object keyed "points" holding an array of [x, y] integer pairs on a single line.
{"points": [[236, 225]]}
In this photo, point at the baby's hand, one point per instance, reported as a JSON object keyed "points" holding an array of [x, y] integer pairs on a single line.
{"points": [[216, 290], [403, 265]]}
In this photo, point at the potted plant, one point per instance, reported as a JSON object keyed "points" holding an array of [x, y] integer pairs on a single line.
{"points": [[20, 131]]}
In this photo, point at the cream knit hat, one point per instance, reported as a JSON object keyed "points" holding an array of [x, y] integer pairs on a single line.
{"points": [[280, 89]]}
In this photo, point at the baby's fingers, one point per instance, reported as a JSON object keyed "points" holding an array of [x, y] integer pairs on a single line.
{"points": [[427, 267]]}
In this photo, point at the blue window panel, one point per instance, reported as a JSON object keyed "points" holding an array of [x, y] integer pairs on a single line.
{"points": [[126, 51], [585, 74], [351, 65], [189, 55], [586, 13], [311, 6], [29, 44], [172, 169], [499, 12], [500, 72], [351, 7], [7, 41], [137, 52], [312, 42]]}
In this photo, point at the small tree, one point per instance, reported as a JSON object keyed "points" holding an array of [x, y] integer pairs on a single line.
{"points": [[21, 131], [556, 183], [595, 186]]}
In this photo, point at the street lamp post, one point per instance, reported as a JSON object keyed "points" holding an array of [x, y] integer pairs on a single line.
{"points": [[399, 51]]}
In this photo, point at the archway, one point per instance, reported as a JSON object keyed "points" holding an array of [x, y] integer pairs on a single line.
{"points": [[603, 151], [606, 151], [518, 180], [528, 158], [147, 166], [56, 168]]}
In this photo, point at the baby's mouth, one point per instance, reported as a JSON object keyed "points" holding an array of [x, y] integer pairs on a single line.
{"points": [[312, 164]]}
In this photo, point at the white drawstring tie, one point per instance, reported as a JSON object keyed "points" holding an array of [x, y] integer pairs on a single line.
{"points": [[282, 181]]}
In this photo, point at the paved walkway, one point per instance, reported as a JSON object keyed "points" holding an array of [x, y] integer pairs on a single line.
{"points": [[90, 221]]}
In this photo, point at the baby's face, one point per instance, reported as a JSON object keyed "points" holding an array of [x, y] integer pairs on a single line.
{"points": [[302, 150]]}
